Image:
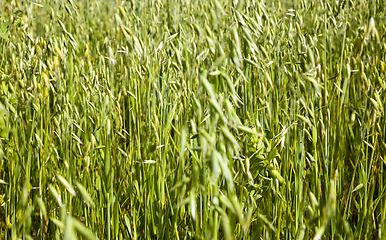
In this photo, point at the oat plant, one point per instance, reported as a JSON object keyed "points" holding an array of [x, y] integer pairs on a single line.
{"points": [[182, 119]]}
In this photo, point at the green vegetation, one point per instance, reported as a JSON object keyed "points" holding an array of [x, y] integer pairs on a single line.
{"points": [[180, 119]]}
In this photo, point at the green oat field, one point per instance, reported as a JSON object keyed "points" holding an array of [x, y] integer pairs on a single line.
{"points": [[192, 119]]}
